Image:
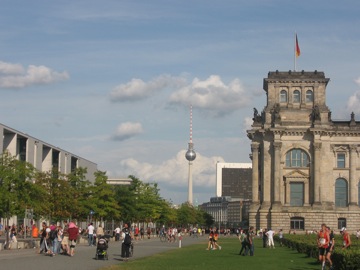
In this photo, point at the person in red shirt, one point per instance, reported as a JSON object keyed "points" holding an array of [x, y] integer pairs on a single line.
{"points": [[346, 238], [323, 240], [73, 234]]}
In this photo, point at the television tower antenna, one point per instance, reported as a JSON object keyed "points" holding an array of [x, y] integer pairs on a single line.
{"points": [[190, 156]]}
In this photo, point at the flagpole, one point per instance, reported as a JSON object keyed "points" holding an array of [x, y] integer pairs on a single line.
{"points": [[295, 51]]}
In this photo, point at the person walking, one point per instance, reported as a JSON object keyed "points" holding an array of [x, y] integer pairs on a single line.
{"points": [[270, 235], [90, 232], [243, 242], [281, 237], [330, 248], [99, 232], [323, 240], [73, 234], [250, 241], [126, 242], [346, 238]]}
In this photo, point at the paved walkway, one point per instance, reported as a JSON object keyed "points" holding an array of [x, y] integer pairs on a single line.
{"points": [[85, 256]]}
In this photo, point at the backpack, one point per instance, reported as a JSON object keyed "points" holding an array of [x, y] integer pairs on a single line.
{"points": [[53, 234], [127, 239]]}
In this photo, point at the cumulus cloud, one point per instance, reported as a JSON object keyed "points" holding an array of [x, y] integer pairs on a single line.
{"points": [[127, 130], [353, 103], [16, 76], [174, 172], [212, 95], [247, 122], [137, 89]]}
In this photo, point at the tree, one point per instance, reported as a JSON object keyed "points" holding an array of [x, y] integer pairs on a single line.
{"points": [[58, 201], [80, 190], [17, 191], [102, 199]]}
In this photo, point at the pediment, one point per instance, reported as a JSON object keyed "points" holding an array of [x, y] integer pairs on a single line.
{"points": [[296, 174]]}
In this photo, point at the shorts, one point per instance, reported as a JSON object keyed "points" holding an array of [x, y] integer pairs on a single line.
{"points": [[73, 243], [322, 251]]}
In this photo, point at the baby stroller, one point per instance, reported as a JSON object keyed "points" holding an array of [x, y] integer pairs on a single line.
{"points": [[101, 249]]}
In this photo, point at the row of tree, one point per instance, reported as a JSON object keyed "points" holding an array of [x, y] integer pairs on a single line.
{"points": [[56, 196]]}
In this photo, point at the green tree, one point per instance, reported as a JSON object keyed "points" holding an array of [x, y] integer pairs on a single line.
{"points": [[102, 199], [80, 190], [17, 191], [58, 201]]}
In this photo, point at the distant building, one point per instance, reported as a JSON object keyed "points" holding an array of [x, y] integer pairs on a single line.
{"points": [[233, 190], [43, 156], [119, 181]]}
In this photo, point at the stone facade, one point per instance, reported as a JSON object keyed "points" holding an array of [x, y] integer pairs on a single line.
{"points": [[305, 165]]}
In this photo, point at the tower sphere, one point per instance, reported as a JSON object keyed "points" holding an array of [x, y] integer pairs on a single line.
{"points": [[190, 155]]}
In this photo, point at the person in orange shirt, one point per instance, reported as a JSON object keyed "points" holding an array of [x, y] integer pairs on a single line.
{"points": [[35, 231], [323, 240], [346, 238]]}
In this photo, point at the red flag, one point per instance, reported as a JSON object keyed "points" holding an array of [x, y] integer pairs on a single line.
{"points": [[297, 48]]}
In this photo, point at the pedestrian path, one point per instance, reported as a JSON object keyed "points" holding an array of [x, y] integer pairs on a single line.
{"points": [[85, 256]]}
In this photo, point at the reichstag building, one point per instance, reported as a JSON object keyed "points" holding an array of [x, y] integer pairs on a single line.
{"points": [[305, 165]]}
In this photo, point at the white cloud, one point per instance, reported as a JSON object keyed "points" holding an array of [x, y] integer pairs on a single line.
{"points": [[16, 76], [9, 68], [353, 103], [247, 122], [212, 95], [127, 130], [174, 171], [137, 89]]}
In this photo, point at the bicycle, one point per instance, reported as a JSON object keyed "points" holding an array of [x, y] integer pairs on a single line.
{"points": [[163, 237], [131, 250]]}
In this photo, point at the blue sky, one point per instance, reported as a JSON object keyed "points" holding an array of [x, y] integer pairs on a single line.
{"points": [[112, 81]]}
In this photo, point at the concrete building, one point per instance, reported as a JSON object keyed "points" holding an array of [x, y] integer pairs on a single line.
{"points": [[305, 165], [43, 156], [231, 205]]}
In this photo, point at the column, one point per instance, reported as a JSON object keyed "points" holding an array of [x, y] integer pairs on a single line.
{"points": [[317, 180], [255, 172], [277, 160], [353, 182]]}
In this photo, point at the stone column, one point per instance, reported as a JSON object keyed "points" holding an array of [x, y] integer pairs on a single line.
{"points": [[255, 172], [317, 180], [353, 182], [277, 160]]}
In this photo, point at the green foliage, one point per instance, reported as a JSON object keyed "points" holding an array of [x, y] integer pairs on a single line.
{"points": [[16, 189], [348, 259], [102, 198]]}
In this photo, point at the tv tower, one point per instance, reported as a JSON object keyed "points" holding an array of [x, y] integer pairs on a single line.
{"points": [[190, 156]]}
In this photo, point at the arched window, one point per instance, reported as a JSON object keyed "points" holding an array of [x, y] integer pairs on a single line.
{"points": [[296, 96], [341, 193], [283, 96], [297, 223], [297, 158], [309, 96]]}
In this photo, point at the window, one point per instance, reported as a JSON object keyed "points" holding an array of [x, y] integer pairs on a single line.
{"points": [[296, 194], [297, 223], [341, 223], [341, 194], [341, 160], [309, 96], [283, 96], [359, 194], [296, 96], [297, 158]]}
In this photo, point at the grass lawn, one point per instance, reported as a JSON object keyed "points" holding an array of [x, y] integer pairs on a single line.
{"points": [[196, 257]]}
